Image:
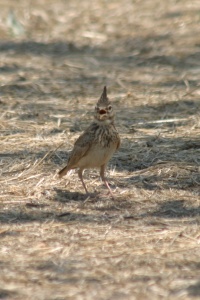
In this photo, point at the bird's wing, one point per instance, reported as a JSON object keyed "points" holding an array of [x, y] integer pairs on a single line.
{"points": [[118, 144], [81, 147], [118, 138]]}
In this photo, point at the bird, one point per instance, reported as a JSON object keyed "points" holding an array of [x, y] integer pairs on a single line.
{"points": [[97, 144]]}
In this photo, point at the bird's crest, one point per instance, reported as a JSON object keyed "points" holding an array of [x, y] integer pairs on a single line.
{"points": [[103, 100]]}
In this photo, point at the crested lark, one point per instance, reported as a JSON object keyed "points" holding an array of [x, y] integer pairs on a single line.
{"points": [[96, 145]]}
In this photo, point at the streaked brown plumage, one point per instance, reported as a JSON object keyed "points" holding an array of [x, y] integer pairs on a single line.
{"points": [[97, 144]]}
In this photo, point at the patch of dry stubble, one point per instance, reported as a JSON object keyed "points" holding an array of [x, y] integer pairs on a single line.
{"points": [[55, 243]]}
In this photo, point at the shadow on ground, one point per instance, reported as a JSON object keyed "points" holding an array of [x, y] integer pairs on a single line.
{"points": [[143, 45], [172, 209], [36, 214], [194, 290], [108, 212]]}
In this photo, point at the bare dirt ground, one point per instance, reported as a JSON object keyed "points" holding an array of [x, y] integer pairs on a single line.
{"points": [[54, 243]]}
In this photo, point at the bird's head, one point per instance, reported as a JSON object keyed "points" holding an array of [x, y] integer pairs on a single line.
{"points": [[103, 109]]}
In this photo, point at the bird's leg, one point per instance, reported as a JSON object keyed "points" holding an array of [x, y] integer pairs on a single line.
{"points": [[102, 175], [80, 175]]}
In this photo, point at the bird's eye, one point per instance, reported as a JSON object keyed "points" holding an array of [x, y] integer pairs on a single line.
{"points": [[109, 107]]}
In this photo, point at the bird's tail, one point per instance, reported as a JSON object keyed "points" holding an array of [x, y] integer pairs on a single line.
{"points": [[63, 172]]}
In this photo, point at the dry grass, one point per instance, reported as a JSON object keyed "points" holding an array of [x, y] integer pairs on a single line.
{"points": [[55, 243]]}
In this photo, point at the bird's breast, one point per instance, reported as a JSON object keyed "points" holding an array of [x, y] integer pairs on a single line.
{"points": [[97, 156], [106, 136]]}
